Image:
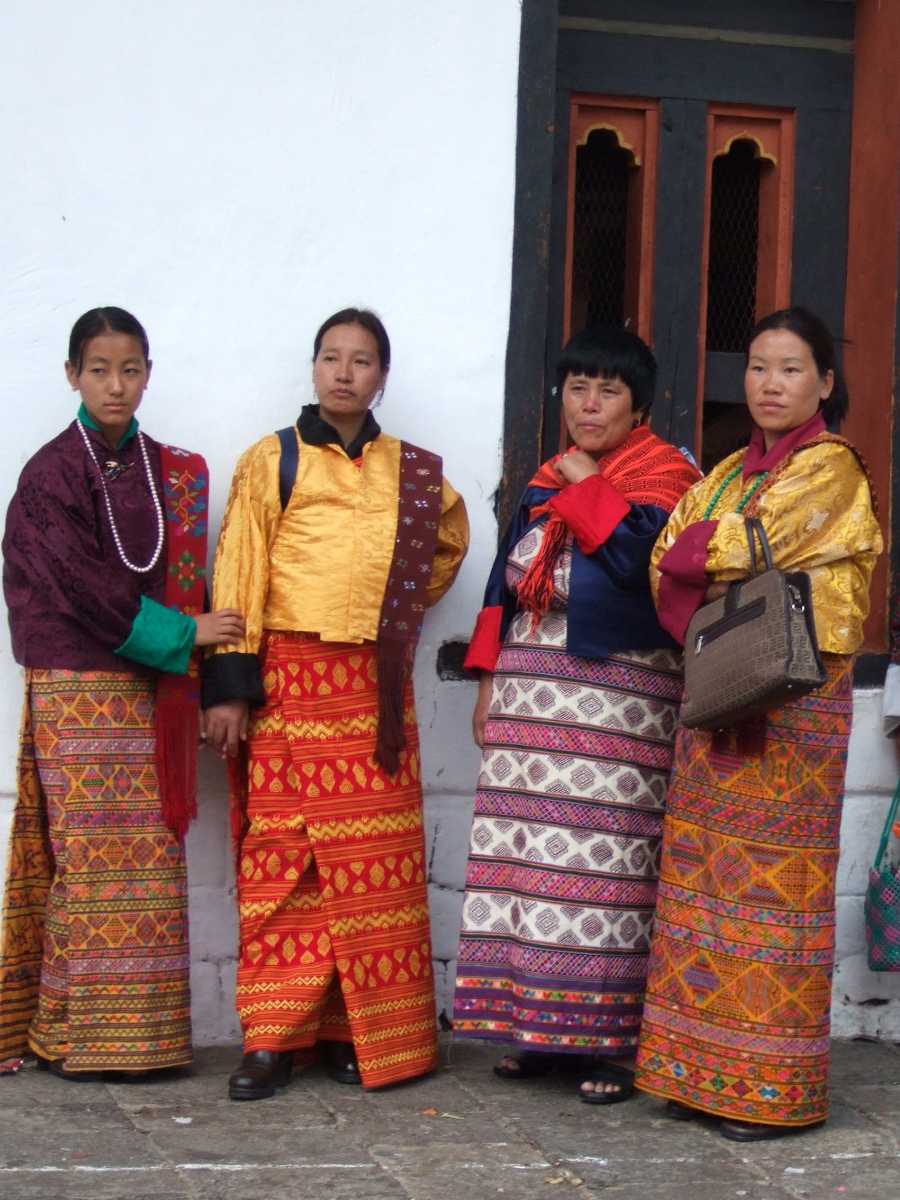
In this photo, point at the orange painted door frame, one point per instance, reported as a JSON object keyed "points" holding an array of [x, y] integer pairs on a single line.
{"points": [[870, 312]]}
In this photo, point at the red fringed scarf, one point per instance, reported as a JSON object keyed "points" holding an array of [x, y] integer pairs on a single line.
{"points": [[186, 502], [644, 470]]}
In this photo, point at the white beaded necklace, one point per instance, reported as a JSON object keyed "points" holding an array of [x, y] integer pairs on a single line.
{"points": [[160, 520]]}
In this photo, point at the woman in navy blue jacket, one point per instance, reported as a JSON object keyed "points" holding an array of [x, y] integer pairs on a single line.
{"points": [[575, 718]]}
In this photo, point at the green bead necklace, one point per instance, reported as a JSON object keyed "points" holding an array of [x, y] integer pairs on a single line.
{"points": [[745, 499]]}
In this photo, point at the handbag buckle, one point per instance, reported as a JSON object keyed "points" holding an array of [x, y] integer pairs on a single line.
{"points": [[698, 645], [797, 604]]}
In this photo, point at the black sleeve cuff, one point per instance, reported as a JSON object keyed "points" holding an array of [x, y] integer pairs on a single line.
{"points": [[232, 676]]}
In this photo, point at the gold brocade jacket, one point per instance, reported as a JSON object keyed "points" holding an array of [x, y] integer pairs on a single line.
{"points": [[818, 517], [321, 566]]}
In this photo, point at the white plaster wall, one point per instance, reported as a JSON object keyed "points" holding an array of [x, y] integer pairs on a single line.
{"points": [[233, 173]]}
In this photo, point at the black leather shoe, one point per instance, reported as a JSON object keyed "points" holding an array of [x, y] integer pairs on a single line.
{"points": [[749, 1131], [680, 1112], [55, 1067], [340, 1062], [260, 1073]]}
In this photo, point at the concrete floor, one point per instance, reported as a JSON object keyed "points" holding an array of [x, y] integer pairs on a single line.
{"points": [[461, 1134]]}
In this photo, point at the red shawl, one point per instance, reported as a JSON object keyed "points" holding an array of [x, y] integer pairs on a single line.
{"points": [[643, 469], [186, 500]]}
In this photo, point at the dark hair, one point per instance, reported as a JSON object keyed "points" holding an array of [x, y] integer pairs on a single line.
{"points": [[812, 330], [104, 320], [611, 353], [369, 321]]}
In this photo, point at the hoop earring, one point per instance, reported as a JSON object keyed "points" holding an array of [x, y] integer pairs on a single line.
{"points": [[378, 399]]}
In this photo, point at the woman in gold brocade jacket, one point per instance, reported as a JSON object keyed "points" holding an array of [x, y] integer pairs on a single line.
{"points": [[736, 1018], [335, 541]]}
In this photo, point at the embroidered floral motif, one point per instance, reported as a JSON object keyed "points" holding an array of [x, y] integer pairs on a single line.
{"points": [[186, 570], [185, 501]]}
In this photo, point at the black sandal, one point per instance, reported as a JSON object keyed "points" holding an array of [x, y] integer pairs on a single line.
{"points": [[620, 1077], [530, 1064]]}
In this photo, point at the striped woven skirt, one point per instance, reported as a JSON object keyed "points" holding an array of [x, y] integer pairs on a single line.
{"points": [[335, 941], [95, 961], [736, 1019], [563, 858]]}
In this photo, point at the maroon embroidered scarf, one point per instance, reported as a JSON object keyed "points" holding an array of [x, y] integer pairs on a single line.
{"points": [[403, 607]]}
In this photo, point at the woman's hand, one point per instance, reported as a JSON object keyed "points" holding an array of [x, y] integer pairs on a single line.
{"points": [[226, 726], [714, 591], [575, 466], [216, 628], [482, 704]]}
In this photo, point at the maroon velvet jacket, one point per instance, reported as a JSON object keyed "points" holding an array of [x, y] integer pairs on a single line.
{"points": [[71, 601]]}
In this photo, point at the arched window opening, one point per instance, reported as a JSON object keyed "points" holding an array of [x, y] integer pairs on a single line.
{"points": [[600, 237], [733, 248]]}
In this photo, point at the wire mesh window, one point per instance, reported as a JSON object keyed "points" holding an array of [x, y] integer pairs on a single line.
{"points": [[733, 245], [600, 226]]}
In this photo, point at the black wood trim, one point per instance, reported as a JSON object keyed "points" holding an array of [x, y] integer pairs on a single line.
{"points": [[556, 275], [678, 251], [799, 17], [724, 73], [869, 670], [699, 33], [822, 188], [525, 350], [723, 382]]}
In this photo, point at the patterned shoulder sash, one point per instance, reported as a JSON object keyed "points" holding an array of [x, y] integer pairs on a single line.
{"points": [[186, 502], [403, 607]]}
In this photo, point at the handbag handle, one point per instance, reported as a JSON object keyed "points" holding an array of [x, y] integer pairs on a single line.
{"points": [[886, 832], [754, 529]]}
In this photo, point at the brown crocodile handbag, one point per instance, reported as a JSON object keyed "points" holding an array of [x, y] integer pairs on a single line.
{"points": [[754, 648]]}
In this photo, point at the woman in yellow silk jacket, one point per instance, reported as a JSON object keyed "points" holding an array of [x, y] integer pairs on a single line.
{"points": [[336, 539], [736, 1019]]}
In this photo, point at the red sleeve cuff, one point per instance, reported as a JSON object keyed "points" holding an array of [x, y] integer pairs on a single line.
{"points": [[592, 509], [484, 647], [682, 578]]}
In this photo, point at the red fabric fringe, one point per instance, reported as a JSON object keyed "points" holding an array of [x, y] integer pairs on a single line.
{"points": [[394, 661], [644, 470], [536, 588], [177, 729]]}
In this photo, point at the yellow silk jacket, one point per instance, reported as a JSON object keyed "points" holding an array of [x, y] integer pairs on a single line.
{"points": [[816, 510], [321, 566]]}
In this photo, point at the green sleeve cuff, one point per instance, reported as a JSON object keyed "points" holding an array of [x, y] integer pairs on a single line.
{"points": [[160, 637]]}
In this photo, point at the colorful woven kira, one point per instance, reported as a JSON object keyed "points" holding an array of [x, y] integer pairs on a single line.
{"points": [[883, 903]]}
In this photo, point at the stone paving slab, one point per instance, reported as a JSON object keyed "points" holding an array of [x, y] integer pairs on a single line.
{"points": [[677, 1189], [462, 1134], [342, 1180], [877, 1178], [65, 1186]]}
